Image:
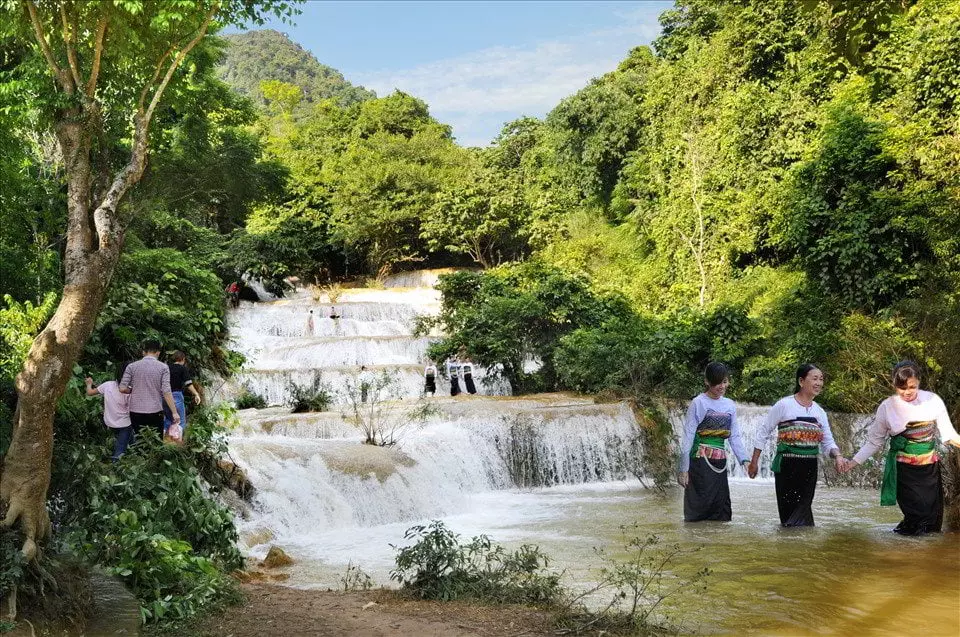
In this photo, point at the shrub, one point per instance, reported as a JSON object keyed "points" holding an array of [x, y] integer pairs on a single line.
{"points": [[437, 566], [149, 519], [249, 400], [637, 586], [316, 396]]}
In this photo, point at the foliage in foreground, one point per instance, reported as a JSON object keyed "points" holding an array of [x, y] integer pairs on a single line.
{"points": [[632, 585], [438, 566], [150, 520]]}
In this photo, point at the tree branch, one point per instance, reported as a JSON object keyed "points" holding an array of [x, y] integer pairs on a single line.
{"points": [[45, 47], [202, 31], [71, 54], [156, 76], [97, 52]]}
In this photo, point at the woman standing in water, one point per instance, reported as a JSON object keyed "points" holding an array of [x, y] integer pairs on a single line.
{"points": [[711, 420], [911, 472], [803, 431]]}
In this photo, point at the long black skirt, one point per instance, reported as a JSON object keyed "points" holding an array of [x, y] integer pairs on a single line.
{"points": [[454, 386], [796, 484], [920, 497], [430, 385], [468, 383], [707, 496]]}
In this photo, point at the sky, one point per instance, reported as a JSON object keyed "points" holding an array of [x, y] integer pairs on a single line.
{"points": [[477, 65]]}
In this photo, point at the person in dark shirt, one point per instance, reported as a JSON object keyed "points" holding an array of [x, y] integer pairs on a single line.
{"points": [[180, 380]]}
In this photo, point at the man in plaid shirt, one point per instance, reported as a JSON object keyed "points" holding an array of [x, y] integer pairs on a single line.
{"points": [[148, 383]]}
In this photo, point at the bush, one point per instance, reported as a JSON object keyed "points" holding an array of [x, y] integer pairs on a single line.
{"points": [[149, 519], [313, 397], [639, 584], [439, 567], [249, 400]]}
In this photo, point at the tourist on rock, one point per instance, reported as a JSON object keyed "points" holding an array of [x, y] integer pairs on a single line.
{"points": [[180, 379], [148, 383], [233, 291], [803, 431], [453, 371], [116, 412], [710, 422], [911, 419], [430, 379]]}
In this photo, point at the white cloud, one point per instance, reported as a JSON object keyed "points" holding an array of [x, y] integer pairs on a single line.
{"points": [[478, 92]]}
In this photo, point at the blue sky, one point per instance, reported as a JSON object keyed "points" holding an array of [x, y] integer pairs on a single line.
{"points": [[476, 64]]}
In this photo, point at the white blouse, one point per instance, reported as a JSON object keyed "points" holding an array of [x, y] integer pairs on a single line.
{"points": [[698, 409], [787, 408], [893, 415]]}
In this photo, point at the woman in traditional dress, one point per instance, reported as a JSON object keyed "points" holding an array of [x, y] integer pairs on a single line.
{"points": [[911, 473], [803, 432], [430, 379], [711, 420]]}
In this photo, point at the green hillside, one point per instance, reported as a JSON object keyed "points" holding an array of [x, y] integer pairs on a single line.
{"points": [[255, 56]]}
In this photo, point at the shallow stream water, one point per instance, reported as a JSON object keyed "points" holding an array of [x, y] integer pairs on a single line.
{"points": [[850, 575]]}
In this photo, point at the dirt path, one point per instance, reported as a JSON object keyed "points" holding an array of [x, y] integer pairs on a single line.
{"points": [[287, 612]]}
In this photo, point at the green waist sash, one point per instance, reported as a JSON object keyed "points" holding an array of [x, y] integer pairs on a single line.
{"points": [[900, 443], [794, 450], [711, 441]]}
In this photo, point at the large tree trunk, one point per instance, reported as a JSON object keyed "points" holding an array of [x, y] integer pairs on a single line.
{"points": [[94, 240]]}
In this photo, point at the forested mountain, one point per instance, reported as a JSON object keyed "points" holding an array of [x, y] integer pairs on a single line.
{"points": [[256, 56]]}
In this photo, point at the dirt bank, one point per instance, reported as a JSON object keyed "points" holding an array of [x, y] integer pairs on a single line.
{"points": [[288, 612]]}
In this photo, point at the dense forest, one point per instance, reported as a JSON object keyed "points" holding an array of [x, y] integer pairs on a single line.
{"points": [[771, 183]]}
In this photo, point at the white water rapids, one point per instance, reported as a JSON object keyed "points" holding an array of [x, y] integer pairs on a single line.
{"points": [[554, 470]]}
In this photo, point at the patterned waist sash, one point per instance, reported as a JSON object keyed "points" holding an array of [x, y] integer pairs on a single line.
{"points": [[797, 438], [915, 445], [711, 433]]}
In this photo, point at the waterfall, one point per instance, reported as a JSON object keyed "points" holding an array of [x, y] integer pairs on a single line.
{"points": [[313, 473], [295, 340]]}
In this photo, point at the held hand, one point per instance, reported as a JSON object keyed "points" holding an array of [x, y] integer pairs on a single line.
{"points": [[752, 470], [841, 464], [683, 479], [196, 399]]}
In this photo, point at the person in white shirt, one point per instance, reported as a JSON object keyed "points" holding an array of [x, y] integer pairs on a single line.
{"points": [[116, 413], [803, 432], [711, 421], [430, 379], [911, 418]]}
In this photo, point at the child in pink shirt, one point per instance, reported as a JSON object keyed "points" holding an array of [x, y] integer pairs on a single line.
{"points": [[116, 413]]}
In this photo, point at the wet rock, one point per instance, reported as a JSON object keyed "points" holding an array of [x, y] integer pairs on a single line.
{"points": [[276, 558], [236, 479]]}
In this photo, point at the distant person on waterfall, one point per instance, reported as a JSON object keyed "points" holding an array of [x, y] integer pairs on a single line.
{"points": [[148, 383], [116, 412], [430, 379], [310, 323], [803, 432], [180, 380], [453, 371], [333, 313], [233, 291], [710, 423], [910, 418]]}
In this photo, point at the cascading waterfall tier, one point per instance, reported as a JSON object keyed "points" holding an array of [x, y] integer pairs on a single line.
{"points": [[295, 341], [314, 474]]}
